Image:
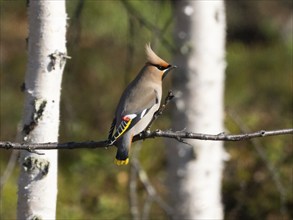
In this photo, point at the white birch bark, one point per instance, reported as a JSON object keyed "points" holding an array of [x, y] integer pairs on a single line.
{"points": [[195, 172], [37, 185]]}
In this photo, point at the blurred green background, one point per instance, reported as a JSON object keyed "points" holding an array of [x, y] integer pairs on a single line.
{"points": [[106, 41]]}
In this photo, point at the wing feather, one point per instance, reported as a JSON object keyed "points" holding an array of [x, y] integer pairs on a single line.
{"points": [[133, 104]]}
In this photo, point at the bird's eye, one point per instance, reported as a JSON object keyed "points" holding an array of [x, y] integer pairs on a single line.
{"points": [[160, 67]]}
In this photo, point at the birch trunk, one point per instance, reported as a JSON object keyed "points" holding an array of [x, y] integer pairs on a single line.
{"points": [[37, 185], [195, 172]]}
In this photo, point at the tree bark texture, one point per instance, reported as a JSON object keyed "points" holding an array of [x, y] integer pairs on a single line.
{"points": [[37, 185], [195, 170]]}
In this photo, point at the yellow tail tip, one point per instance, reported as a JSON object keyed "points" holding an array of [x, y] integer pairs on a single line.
{"points": [[121, 162]]}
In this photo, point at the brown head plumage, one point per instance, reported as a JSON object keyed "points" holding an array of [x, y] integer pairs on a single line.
{"points": [[153, 58]]}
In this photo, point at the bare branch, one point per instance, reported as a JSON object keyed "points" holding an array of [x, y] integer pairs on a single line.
{"points": [[147, 207], [168, 98], [133, 195], [270, 166], [218, 137], [152, 193], [145, 135], [152, 27]]}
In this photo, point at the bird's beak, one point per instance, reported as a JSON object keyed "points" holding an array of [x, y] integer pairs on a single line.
{"points": [[168, 70]]}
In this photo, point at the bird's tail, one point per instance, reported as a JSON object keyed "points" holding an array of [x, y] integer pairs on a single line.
{"points": [[121, 157]]}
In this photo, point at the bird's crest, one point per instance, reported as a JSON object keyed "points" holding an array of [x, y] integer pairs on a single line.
{"points": [[153, 58]]}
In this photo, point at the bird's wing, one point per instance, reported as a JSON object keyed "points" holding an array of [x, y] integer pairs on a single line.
{"points": [[111, 131], [138, 101], [134, 113]]}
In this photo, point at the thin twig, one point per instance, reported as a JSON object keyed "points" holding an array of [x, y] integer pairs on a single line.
{"points": [[147, 207], [150, 189], [168, 98], [152, 27], [133, 197], [271, 168], [218, 137], [143, 136]]}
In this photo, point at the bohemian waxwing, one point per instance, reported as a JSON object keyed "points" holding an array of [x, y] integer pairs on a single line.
{"points": [[137, 105]]}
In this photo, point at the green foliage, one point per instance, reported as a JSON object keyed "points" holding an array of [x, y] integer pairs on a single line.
{"points": [[258, 89]]}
